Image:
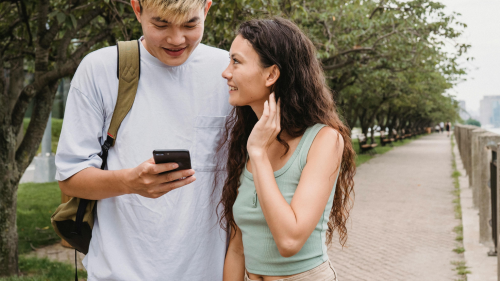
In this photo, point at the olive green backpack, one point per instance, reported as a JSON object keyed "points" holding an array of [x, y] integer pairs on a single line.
{"points": [[73, 221]]}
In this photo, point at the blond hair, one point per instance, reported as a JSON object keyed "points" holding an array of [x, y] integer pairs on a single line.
{"points": [[175, 11]]}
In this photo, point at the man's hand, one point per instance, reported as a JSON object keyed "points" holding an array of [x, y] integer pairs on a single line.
{"points": [[147, 180]]}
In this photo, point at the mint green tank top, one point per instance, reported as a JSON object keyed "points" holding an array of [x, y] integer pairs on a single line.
{"points": [[261, 253]]}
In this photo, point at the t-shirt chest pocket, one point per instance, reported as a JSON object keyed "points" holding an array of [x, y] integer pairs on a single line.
{"points": [[208, 131]]}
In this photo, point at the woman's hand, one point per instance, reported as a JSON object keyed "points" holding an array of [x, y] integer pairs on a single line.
{"points": [[267, 128]]}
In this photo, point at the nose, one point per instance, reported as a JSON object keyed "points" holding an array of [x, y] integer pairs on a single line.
{"points": [[226, 74], [176, 37]]}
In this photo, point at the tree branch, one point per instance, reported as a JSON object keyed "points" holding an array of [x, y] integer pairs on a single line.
{"points": [[85, 47], [24, 14], [36, 128], [70, 34], [339, 65], [20, 107], [43, 10]]}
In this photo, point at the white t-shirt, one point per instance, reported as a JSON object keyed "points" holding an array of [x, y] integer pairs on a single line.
{"points": [[175, 237]]}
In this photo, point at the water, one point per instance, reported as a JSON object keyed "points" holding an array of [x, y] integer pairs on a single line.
{"points": [[493, 130]]}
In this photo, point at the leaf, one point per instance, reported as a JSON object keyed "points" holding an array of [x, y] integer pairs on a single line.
{"points": [[73, 20], [60, 17], [52, 14]]}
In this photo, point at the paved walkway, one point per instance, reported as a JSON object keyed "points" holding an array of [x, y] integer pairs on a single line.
{"points": [[401, 227]]}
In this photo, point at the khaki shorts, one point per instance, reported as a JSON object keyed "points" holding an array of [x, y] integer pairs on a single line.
{"points": [[323, 272]]}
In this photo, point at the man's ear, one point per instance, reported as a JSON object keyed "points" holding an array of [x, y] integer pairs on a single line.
{"points": [[137, 9], [273, 73], [207, 7]]}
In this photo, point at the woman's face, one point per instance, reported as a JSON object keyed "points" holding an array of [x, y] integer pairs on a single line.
{"points": [[249, 83]]}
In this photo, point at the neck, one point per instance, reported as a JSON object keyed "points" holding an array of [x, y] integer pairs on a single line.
{"points": [[258, 109]]}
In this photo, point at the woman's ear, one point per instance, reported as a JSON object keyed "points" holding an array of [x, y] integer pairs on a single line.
{"points": [[273, 73]]}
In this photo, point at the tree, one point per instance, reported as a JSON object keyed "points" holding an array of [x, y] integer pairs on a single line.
{"points": [[472, 122], [48, 38], [366, 47]]}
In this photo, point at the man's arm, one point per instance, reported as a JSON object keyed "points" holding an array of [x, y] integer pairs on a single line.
{"points": [[96, 184], [77, 157]]}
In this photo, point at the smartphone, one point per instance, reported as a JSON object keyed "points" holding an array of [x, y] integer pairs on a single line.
{"points": [[179, 156]]}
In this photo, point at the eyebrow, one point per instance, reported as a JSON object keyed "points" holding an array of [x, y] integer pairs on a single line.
{"points": [[195, 19]]}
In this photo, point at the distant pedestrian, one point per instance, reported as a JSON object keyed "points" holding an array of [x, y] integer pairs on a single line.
{"points": [[441, 127], [448, 127], [437, 128]]}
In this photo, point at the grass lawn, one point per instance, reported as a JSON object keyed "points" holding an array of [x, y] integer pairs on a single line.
{"points": [[36, 269], [36, 202]]}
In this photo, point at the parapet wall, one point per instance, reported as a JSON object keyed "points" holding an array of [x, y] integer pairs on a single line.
{"points": [[478, 150]]}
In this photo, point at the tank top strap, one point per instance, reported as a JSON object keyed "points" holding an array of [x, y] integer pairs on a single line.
{"points": [[309, 136]]}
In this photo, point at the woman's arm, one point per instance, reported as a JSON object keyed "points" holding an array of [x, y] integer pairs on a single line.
{"points": [[292, 224], [234, 265]]}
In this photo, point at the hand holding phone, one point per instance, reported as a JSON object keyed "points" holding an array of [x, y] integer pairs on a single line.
{"points": [[179, 156], [160, 174]]}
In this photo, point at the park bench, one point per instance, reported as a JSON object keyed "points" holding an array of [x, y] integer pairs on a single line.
{"points": [[384, 139], [397, 136], [364, 146], [405, 134]]}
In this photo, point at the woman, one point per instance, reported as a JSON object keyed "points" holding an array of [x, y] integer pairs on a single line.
{"points": [[287, 148]]}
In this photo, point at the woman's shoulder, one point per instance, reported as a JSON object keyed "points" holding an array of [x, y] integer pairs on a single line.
{"points": [[326, 143], [326, 133]]}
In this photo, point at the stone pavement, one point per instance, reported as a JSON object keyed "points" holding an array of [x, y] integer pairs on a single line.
{"points": [[401, 226], [59, 253]]}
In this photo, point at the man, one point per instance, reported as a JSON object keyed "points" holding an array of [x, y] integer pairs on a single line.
{"points": [[150, 226]]}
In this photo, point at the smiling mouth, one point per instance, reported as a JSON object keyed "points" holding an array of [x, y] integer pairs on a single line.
{"points": [[231, 88], [174, 52]]}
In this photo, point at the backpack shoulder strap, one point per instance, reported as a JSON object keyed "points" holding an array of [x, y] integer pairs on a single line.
{"points": [[128, 75], [129, 70]]}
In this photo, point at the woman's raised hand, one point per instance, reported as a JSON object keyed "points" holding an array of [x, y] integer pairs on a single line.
{"points": [[267, 128]]}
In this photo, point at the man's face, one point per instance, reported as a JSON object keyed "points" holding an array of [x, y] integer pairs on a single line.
{"points": [[171, 43]]}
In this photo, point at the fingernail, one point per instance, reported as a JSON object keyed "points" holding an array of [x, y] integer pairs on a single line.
{"points": [[175, 166]]}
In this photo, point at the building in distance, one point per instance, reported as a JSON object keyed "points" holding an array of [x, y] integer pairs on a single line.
{"points": [[490, 111]]}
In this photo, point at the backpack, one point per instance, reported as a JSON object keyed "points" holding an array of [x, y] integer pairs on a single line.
{"points": [[73, 221]]}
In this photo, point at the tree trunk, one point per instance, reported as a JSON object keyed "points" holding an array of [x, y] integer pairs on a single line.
{"points": [[8, 203]]}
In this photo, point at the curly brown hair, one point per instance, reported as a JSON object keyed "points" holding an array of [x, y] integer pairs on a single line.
{"points": [[305, 101]]}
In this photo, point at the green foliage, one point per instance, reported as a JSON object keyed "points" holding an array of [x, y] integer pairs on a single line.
{"points": [[472, 122], [384, 60], [36, 269], [35, 204]]}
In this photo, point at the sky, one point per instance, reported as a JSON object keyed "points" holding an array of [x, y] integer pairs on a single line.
{"points": [[483, 33]]}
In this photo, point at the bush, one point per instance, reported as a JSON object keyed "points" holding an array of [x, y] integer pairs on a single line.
{"points": [[472, 122]]}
